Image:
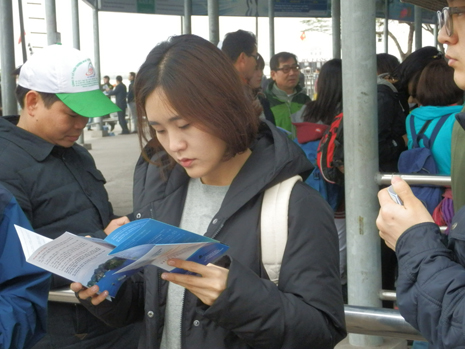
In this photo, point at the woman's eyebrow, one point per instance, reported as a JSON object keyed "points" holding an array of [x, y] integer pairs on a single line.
{"points": [[171, 119]]}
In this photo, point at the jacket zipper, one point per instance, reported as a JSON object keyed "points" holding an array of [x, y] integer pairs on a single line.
{"points": [[182, 316]]}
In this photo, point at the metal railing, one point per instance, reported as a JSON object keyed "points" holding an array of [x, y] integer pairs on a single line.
{"points": [[442, 181], [379, 322], [387, 295], [361, 320]]}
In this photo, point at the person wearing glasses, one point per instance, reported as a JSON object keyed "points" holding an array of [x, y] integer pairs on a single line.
{"points": [[285, 94], [431, 281], [241, 48]]}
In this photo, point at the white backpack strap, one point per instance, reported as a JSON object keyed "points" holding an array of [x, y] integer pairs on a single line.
{"points": [[274, 225]]}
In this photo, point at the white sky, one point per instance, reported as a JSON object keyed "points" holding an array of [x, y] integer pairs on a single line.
{"points": [[126, 38]]}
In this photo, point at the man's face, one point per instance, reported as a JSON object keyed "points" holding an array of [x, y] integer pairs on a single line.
{"points": [[248, 65], [131, 77], [58, 124], [106, 80], [455, 52], [286, 81]]}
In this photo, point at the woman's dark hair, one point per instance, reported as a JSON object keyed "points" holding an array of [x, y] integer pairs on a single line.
{"points": [[386, 63], [413, 64], [48, 98], [202, 86], [436, 85], [328, 103]]}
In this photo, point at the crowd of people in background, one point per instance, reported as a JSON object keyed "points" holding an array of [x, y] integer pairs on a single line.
{"points": [[213, 143]]}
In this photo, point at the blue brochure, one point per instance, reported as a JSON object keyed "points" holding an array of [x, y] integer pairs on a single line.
{"points": [[109, 262]]}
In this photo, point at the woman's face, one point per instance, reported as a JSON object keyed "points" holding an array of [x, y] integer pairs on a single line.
{"points": [[256, 80], [200, 153]]}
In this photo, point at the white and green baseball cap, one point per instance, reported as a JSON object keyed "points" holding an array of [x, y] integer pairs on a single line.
{"points": [[70, 75]]}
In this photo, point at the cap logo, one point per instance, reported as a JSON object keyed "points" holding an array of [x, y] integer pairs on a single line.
{"points": [[83, 75], [90, 70]]}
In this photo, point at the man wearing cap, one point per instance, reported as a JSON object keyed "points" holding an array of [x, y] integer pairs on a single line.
{"points": [[55, 181], [431, 281]]}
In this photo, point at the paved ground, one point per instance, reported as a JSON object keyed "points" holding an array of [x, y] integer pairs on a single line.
{"points": [[116, 157]]}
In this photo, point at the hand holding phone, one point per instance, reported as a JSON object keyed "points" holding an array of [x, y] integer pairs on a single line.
{"points": [[394, 196]]}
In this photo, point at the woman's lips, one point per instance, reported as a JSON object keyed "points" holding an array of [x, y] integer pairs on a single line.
{"points": [[185, 162], [451, 60]]}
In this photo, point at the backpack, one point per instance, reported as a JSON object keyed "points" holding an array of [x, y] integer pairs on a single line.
{"points": [[274, 225], [332, 193], [330, 153], [419, 160]]}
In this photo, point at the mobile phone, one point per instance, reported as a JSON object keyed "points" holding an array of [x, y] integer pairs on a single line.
{"points": [[394, 196]]}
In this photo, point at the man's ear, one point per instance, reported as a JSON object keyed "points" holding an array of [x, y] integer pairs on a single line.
{"points": [[273, 75], [242, 57], [31, 102], [239, 64]]}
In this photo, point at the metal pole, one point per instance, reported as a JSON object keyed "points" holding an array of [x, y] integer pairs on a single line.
{"points": [[361, 157], [271, 25], [76, 43], [435, 33], [21, 28], [386, 26], [418, 29], [97, 55], [51, 22], [7, 58], [336, 17], [256, 27], [75, 24], [187, 17], [213, 21]]}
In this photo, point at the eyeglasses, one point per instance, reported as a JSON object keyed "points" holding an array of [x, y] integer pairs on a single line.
{"points": [[445, 18], [286, 69], [255, 56]]}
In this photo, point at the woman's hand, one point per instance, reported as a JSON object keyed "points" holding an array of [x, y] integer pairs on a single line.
{"points": [[116, 223], [207, 286], [85, 293], [394, 219]]}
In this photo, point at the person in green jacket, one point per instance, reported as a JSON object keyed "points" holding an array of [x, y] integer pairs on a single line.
{"points": [[285, 94]]}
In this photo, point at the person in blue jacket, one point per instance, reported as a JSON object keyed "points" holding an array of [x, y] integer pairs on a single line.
{"points": [[438, 96], [23, 287]]}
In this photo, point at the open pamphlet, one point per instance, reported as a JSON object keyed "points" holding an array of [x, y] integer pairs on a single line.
{"points": [[109, 262]]}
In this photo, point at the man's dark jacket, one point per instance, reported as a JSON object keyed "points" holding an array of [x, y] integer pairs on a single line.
{"points": [[431, 282], [59, 190], [120, 93]]}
